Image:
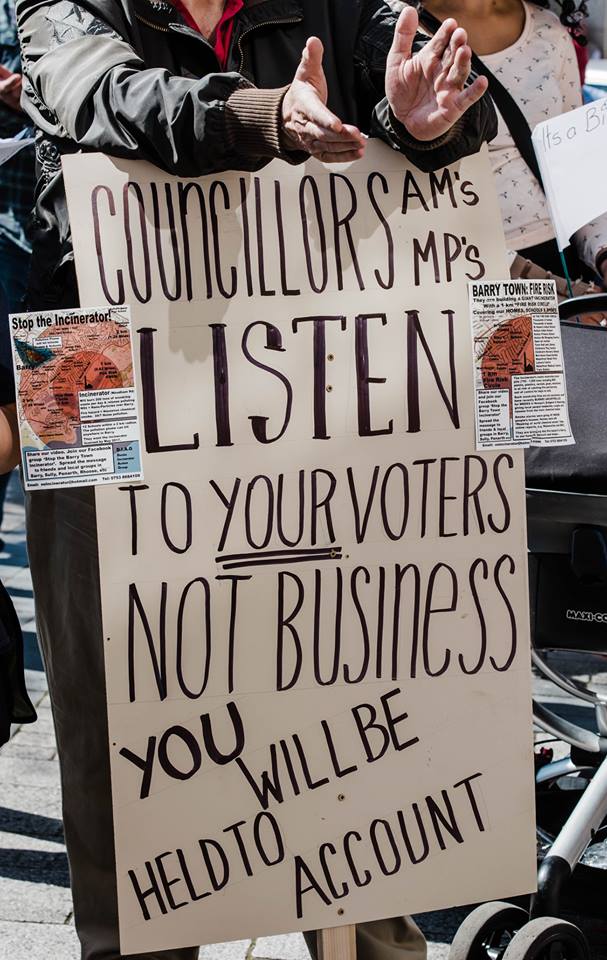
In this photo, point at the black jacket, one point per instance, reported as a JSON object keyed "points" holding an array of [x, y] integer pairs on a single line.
{"points": [[129, 78], [15, 704]]}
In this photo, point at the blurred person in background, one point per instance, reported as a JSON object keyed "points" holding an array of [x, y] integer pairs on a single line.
{"points": [[16, 184], [530, 51], [15, 704]]}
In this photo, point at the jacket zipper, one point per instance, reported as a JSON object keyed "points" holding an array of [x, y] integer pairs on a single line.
{"points": [[154, 26], [257, 26]]}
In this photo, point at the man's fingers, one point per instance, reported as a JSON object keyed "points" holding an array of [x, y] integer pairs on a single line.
{"points": [[442, 38], [329, 157], [355, 133], [471, 94], [460, 71], [404, 33], [311, 109], [324, 146], [314, 131], [457, 41]]}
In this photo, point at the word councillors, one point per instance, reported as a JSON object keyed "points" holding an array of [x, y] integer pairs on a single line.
{"points": [[199, 260]]}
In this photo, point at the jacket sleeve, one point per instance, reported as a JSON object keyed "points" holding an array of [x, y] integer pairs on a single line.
{"points": [[84, 82], [465, 137]]}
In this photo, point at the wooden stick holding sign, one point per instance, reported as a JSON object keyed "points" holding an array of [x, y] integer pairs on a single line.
{"points": [[337, 943]]}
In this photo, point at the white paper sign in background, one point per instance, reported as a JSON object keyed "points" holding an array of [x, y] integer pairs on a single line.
{"points": [[570, 150], [315, 608]]}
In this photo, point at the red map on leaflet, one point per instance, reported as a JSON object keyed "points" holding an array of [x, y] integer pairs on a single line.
{"points": [[509, 352], [90, 357]]}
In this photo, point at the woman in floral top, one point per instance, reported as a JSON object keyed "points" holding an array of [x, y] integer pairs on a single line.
{"points": [[530, 50]]}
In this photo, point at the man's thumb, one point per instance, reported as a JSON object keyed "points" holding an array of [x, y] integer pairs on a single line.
{"points": [[310, 67]]}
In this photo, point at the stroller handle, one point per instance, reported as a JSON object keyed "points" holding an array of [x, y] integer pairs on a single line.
{"points": [[563, 729]]}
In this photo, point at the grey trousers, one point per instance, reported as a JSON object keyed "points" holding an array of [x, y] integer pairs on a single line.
{"points": [[62, 544]]}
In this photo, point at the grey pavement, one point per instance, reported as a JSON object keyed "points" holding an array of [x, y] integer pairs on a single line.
{"points": [[36, 920]]}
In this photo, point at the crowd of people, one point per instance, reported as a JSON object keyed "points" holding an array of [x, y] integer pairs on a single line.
{"points": [[109, 76]]}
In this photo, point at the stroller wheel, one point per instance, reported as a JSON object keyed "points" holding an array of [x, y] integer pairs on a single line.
{"points": [[548, 938], [487, 931]]}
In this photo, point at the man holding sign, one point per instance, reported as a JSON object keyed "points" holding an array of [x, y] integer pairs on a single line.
{"points": [[196, 87], [143, 80]]}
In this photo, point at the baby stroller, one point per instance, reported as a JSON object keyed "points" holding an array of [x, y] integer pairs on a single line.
{"points": [[567, 532]]}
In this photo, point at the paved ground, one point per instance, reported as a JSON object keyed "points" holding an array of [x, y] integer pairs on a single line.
{"points": [[35, 902]]}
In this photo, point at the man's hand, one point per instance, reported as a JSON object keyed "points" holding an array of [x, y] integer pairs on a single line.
{"points": [[10, 91], [426, 91], [307, 122]]}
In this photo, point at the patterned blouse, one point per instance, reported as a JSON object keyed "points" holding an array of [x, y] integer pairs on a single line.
{"points": [[540, 71]]}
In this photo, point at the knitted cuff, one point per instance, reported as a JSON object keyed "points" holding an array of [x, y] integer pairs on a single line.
{"points": [[254, 122]]}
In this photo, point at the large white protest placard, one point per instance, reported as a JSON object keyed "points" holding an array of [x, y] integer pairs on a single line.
{"points": [[570, 150], [315, 608]]}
